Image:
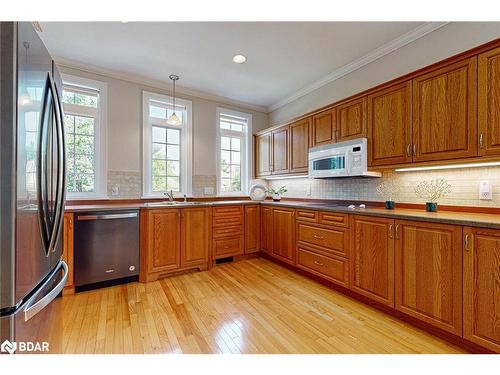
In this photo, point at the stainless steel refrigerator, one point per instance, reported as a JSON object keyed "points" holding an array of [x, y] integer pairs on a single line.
{"points": [[32, 177]]}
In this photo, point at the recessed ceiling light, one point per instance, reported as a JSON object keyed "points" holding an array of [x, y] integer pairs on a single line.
{"points": [[239, 59]]}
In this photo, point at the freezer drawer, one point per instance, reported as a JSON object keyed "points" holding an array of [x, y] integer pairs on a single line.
{"points": [[106, 246]]}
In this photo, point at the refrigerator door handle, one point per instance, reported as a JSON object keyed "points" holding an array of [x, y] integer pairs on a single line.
{"points": [[33, 308]]}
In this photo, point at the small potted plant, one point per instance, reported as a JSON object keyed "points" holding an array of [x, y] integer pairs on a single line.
{"points": [[389, 191], [431, 191], [276, 193]]}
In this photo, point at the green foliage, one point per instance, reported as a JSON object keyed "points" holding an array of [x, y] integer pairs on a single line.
{"points": [[280, 190]]}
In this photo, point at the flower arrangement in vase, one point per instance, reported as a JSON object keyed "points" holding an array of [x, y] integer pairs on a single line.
{"points": [[277, 192], [431, 191], [389, 190]]}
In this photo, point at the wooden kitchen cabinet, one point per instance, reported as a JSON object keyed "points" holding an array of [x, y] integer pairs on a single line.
{"points": [[489, 102], [444, 112], [227, 231], [283, 234], [428, 269], [351, 120], [300, 140], [195, 235], [323, 127], [280, 162], [252, 229], [263, 154], [372, 258], [266, 229], [68, 248], [390, 125], [481, 296]]}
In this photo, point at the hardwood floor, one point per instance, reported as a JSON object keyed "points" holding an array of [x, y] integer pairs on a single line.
{"points": [[252, 306]]}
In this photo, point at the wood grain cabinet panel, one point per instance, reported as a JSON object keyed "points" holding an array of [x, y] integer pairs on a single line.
{"points": [[280, 162], [328, 240], [300, 140], [164, 229], [252, 229], [283, 234], [68, 247], [428, 258], [482, 287], [323, 127], [263, 154], [227, 247], [266, 229], [444, 112], [390, 125], [372, 258], [351, 120], [489, 102], [334, 269], [195, 236]]}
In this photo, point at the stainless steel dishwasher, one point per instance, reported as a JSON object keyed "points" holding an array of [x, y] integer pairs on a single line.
{"points": [[106, 247]]}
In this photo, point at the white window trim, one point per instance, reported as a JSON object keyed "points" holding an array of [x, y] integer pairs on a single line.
{"points": [[186, 147], [247, 166], [101, 131]]}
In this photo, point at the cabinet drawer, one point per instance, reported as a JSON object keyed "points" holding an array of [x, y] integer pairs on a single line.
{"points": [[227, 215], [334, 269], [226, 231], [228, 246], [330, 240], [332, 218], [307, 215]]}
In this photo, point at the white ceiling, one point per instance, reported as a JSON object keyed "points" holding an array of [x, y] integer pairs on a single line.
{"points": [[283, 58]]}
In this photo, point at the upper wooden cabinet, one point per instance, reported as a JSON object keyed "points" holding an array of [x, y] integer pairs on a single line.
{"points": [[428, 270], [489, 102], [444, 112], [252, 228], [300, 140], [280, 150], [195, 235], [482, 287], [390, 125], [372, 258], [263, 154], [351, 120], [323, 127]]}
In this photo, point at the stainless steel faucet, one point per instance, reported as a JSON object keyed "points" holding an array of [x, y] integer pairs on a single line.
{"points": [[169, 195]]}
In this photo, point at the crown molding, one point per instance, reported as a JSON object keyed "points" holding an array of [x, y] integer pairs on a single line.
{"points": [[141, 80], [370, 57]]}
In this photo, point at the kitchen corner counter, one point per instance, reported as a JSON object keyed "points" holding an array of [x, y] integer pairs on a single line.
{"points": [[481, 220]]}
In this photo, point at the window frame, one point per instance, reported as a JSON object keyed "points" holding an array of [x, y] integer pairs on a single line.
{"points": [[246, 151], [186, 141], [100, 136]]}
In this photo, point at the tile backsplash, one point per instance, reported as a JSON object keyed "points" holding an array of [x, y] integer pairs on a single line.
{"points": [[464, 186]]}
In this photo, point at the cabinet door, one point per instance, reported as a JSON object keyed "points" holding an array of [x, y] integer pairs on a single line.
{"points": [[351, 117], [68, 247], [323, 127], [252, 229], [164, 229], [299, 145], [266, 229], [489, 102], [389, 125], [482, 287], [444, 112], [372, 258], [429, 273], [279, 151], [284, 234], [263, 155], [195, 236]]}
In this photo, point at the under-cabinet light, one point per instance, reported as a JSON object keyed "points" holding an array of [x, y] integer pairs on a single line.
{"points": [[451, 166], [284, 177]]}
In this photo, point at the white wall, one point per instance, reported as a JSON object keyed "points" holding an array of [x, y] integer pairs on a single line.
{"points": [[125, 124], [438, 45]]}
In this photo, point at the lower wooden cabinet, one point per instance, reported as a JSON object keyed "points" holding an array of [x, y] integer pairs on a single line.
{"points": [[252, 229], [195, 236], [372, 258], [228, 222], [332, 268], [283, 234], [482, 287], [68, 248], [266, 229], [428, 258]]}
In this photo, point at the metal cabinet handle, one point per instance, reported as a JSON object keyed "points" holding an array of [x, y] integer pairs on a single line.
{"points": [[318, 263], [467, 242], [319, 237], [408, 150], [391, 231], [107, 216], [481, 140], [414, 149], [397, 231]]}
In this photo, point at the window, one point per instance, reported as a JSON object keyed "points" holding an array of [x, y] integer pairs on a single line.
{"points": [[84, 124], [233, 147], [167, 148]]}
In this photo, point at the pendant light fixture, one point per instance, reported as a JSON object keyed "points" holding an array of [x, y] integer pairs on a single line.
{"points": [[173, 119]]}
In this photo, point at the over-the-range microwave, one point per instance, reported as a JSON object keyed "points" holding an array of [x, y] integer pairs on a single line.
{"points": [[343, 159]]}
